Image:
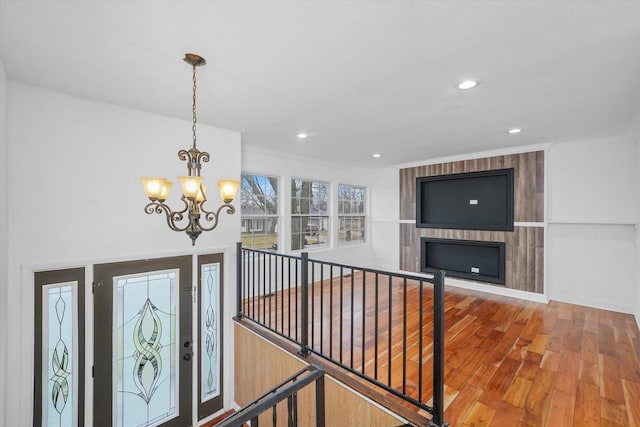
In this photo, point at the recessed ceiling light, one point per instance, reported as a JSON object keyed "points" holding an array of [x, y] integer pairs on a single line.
{"points": [[302, 135], [514, 130], [467, 84], [376, 155]]}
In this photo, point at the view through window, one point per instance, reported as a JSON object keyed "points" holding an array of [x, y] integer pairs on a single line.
{"points": [[309, 214], [351, 213], [259, 209]]}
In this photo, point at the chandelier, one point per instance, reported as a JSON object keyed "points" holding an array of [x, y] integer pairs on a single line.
{"points": [[193, 218]]}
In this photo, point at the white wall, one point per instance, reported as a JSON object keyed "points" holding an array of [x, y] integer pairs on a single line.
{"points": [[385, 218], [638, 227], [75, 199], [592, 207], [635, 135], [260, 161], [4, 247]]}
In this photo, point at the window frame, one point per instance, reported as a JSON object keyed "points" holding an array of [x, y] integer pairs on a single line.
{"points": [[324, 217], [361, 216], [249, 219]]}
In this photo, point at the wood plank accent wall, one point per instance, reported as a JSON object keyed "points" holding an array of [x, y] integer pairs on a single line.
{"points": [[528, 189], [260, 365], [524, 251], [524, 246]]}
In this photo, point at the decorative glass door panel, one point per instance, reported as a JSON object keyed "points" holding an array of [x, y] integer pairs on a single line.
{"points": [[59, 348], [145, 374], [210, 373], [143, 343], [210, 334], [59, 354]]}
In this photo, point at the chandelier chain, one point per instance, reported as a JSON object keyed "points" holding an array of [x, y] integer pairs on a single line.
{"points": [[193, 127]]}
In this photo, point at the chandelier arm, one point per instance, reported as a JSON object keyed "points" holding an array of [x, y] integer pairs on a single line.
{"points": [[182, 154], [215, 216], [173, 217]]}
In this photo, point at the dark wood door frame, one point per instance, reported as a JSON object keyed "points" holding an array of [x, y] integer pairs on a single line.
{"points": [[103, 313]]}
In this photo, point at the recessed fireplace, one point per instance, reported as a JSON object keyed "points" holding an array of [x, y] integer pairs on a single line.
{"points": [[466, 259]]}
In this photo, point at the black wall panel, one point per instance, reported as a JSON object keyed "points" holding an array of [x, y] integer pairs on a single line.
{"points": [[475, 201]]}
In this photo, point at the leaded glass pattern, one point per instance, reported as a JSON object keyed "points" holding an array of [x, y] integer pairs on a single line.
{"points": [[59, 338], [145, 366], [209, 332]]}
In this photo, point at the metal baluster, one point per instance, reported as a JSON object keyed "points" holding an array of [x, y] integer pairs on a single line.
{"points": [[295, 409], [268, 296], [296, 296], [253, 285], [364, 311], [352, 321], [239, 279], [390, 328], [290, 412], [331, 312], [289, 293], [438, 348], [274, 415], [312, 300], [304, 305], [282, 294], [341, 303], [375, 345], [404, 337], [320, 402], [264, 288], [421, 331], [322, 309]]}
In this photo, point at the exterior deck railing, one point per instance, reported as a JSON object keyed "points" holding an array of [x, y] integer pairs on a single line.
{"points": [[384, 327]]}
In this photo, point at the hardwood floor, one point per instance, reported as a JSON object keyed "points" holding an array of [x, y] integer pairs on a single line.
{"points": [[532, 364], [508, 362]]}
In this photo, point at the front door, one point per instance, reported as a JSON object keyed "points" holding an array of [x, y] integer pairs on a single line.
{"points": [[143, 343]]}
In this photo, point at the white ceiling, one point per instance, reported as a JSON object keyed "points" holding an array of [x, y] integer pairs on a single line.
{"points": [[360, 76]]}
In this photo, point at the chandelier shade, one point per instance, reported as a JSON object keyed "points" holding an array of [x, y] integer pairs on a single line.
{"points": [[193, 218], [228, 189], [190, 186]]}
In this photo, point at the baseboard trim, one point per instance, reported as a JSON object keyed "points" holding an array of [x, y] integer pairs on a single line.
{"points": [[497, 290], [599, 304], [481, 287]]}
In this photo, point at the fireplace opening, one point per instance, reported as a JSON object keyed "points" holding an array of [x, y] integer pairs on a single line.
{"points": [[466, 259]]}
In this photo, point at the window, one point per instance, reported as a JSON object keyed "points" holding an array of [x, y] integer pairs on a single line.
{"points": [[309, 214], [259, 208], [351, 213]]}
